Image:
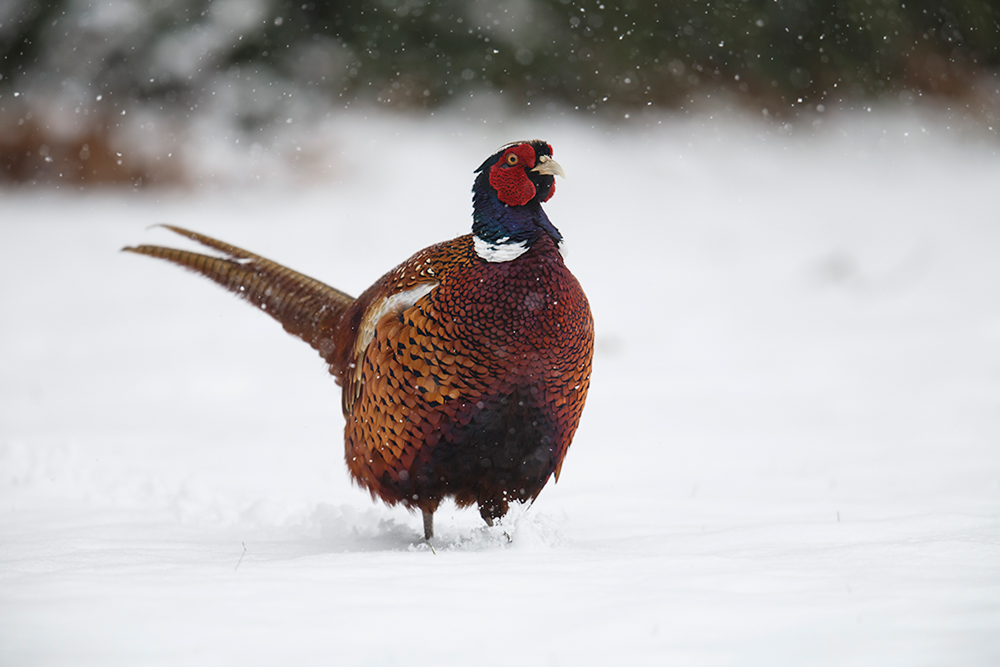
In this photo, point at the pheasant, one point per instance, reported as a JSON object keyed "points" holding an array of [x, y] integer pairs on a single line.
{"points": [[465, 369]]}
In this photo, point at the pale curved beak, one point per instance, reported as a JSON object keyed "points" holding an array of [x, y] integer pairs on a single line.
{"points": [[547, 165]]}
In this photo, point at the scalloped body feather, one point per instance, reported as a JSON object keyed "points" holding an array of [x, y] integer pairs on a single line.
{"points": [[476, 390]]}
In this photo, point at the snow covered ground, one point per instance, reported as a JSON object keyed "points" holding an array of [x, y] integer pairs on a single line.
{"points": [[790, 454]]}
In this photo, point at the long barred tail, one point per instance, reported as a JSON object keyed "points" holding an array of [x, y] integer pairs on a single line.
{"points": [[305, 307]]}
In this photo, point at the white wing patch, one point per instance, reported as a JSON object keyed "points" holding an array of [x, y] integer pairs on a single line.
{"points": [[501, 251], [394, 303]]}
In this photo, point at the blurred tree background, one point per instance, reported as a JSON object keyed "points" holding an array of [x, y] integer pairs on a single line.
{"points": [[75, 74]]}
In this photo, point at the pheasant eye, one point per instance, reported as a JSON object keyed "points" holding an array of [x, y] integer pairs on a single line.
{"points": [[512, 159]]}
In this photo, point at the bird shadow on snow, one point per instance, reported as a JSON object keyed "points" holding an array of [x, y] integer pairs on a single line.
{"points": [[345, 528]]}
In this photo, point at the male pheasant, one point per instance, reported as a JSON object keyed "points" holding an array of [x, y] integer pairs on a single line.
{"points": [[464, 369]]}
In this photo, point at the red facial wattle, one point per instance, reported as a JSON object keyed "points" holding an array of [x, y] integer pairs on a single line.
{"points": [[508, 176]]}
